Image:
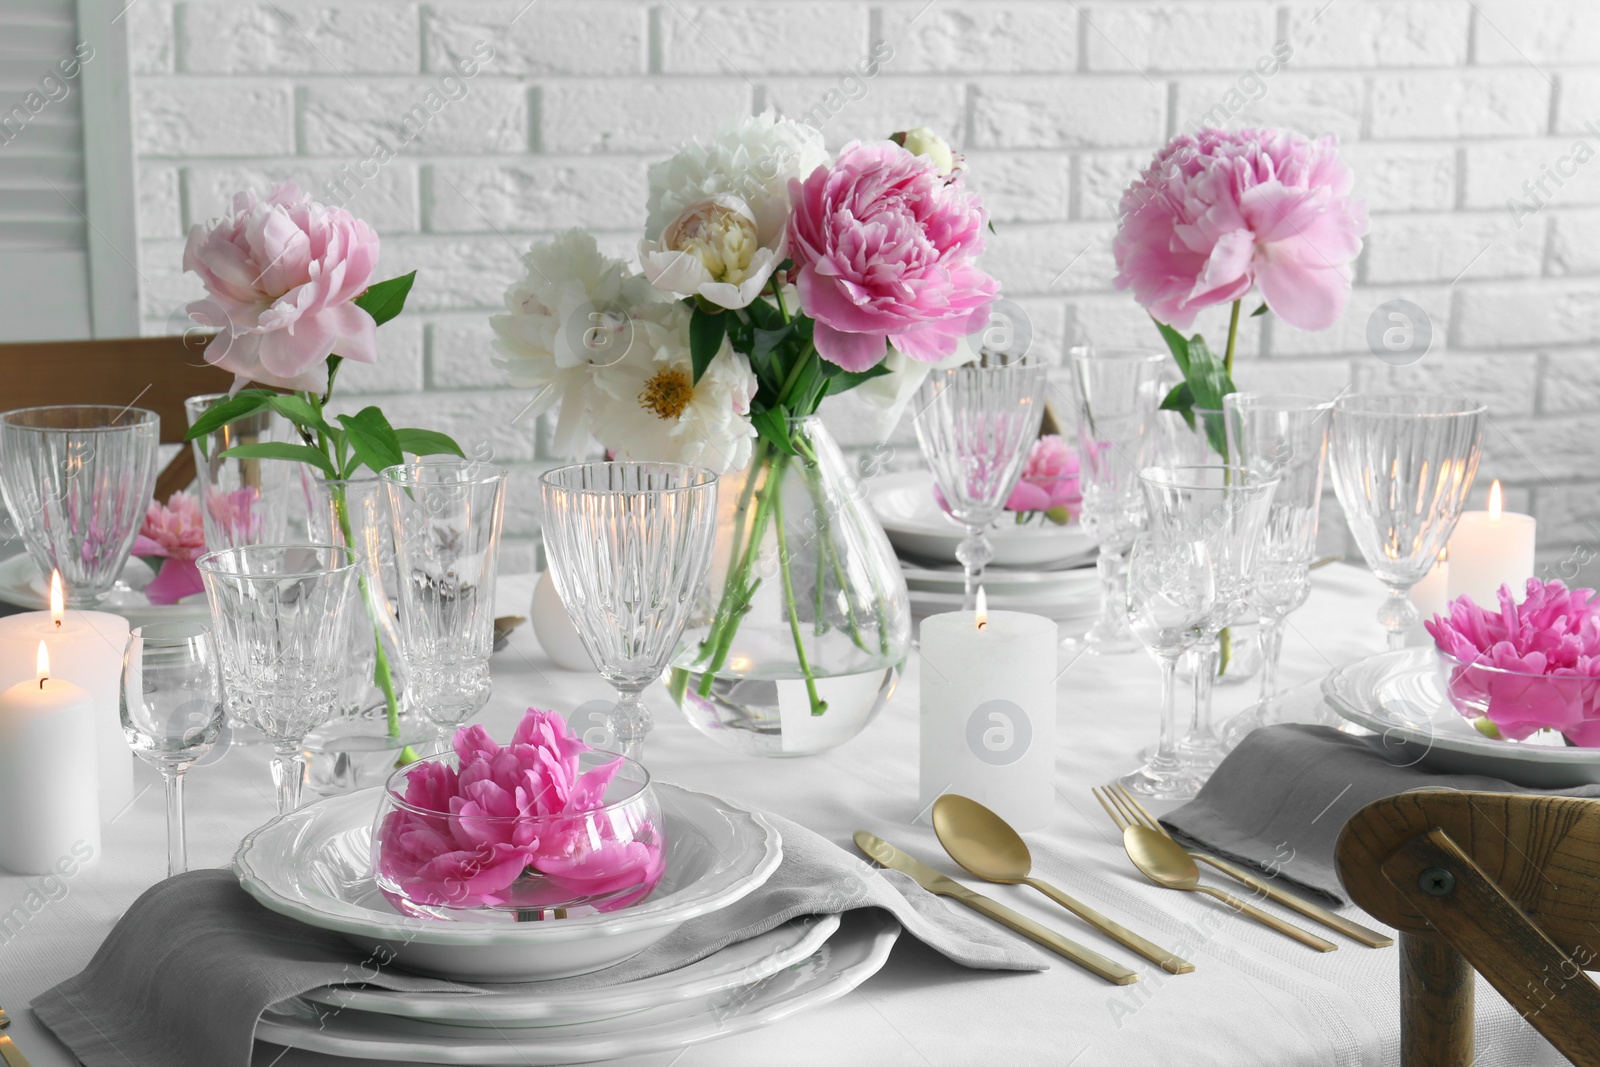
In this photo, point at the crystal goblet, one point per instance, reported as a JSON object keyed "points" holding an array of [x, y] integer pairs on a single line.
{"points": [[243, 501]]}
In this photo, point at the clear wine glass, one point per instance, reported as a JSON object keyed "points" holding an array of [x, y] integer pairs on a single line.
{"points": [[975, 424], [77, 480], [447, 515], [1171, 592], [1226, 507], [630, 547], [1403, 464], [243, 501], [1282, 435], [280, 616], [171, 708], [1115, 392]]}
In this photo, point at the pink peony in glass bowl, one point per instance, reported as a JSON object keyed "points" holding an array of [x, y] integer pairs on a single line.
{"points": [[544, 827], [1519, 705]]}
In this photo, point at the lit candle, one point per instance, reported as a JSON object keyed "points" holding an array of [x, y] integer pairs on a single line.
{"points": [[86, 648], [1490, 549], [49, 792], [1431, 595], [989, 711]]}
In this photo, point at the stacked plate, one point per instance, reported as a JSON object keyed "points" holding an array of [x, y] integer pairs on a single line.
{"points": [[312, 865], [21, 585], [1042, 568]]}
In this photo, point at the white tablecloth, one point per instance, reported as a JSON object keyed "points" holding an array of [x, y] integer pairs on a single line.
{"points": [[1255, 997]]}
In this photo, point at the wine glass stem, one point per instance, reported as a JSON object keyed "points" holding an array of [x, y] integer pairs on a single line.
{"points": [[1166, 754], [630, 722], [177, 854], [1271, 649], [1398, 614], [1111, 565], [1206, 659], [974, 553], [288, 772]]}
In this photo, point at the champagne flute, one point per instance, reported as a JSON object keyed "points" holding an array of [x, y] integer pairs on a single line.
{"points": [[171, 708]]}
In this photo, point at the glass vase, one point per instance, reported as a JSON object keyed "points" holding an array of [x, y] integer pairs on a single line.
{"points": [[805, 626], [363, 743]]}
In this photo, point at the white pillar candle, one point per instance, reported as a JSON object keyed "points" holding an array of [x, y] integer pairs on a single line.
{"points": [[1489, 549], [85, 649], [989, 712], [49, 792], [1431, 596]]}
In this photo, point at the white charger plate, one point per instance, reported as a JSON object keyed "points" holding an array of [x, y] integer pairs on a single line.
{"points": [[21, 585], [1400, 697], [313, 865], [851, 956], [739, 964], [911, 517]]}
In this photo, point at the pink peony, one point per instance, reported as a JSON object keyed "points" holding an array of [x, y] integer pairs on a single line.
{"points": [[884, 248], [281, 275], [511, 828], [1215, 213], [235, 512], [1049, 478], [1529, 666], [175, 534]]}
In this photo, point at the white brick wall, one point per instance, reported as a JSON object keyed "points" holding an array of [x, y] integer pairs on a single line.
{"points": [[1446, 108]]}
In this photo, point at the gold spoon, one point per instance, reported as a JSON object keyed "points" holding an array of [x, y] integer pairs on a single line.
{"points": [[986, 845], [1164, 861]]}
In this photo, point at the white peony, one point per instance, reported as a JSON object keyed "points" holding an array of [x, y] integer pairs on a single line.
{"points": [[718, 213], [570, 322], [651, 408]]}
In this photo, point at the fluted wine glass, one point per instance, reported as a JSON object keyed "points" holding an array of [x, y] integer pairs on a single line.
{"points": [[1282, 435], [447, 515], [1116, 392], [77, 480], [1171, 592], [280, 615], [171, 710], [975, 424], [629, 546], [1403, 464], [1226, 507]]}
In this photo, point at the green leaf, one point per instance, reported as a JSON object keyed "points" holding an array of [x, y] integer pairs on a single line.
{"points": [[846, 380], [384, 300], [372, 439], [1178, 344], [765, 341], [706, 332], [245, 402], [299, 411], [1181, 401], [283, 450], [773, 426], [428, 443], [1262, 310], [764, 315]]}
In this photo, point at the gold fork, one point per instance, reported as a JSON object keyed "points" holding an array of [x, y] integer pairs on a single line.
{"points": [[1266, 887], [1164, 862], [8, 1048]]}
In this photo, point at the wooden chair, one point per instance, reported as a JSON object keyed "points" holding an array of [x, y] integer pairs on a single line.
{"points": [[1507, 885], [155, 373]]}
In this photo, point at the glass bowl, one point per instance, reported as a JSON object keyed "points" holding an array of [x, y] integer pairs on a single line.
{"points": [[1513, 705], [468, 866]]}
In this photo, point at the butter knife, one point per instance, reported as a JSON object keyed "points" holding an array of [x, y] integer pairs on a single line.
{"points": [[945, 886]]}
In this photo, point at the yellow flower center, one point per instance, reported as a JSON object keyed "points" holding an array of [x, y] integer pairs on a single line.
{"points": [[667, 394]]}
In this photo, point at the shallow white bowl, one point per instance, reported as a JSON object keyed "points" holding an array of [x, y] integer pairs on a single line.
{"points": [[911, 517], [313, 865]]}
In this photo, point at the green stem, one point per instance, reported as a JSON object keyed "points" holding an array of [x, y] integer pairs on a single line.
{"points": [[738, 589], [825, 536], [1233, 338], [818, 705]]}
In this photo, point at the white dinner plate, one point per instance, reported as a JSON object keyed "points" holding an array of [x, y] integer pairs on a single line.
{"points": [[21, 585], [851, 956], [1400, 697], [739, 964], [911, 517], [313, 865]]}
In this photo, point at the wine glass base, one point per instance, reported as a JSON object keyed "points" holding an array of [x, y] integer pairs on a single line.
{"points": [[1202, 755], [1246, 722], [1157, 784]]}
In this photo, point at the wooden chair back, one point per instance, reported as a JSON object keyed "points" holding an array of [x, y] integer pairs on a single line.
{"points": [[154, 373], [1505, 884]]}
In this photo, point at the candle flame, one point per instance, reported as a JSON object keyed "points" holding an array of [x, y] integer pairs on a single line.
{"points": [[58, 606], [982, 608], [1495, 502], [42, 664]]}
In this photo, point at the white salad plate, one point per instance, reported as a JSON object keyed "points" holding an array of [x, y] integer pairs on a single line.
{"points": [[742, 963], [1400, 697], [911, 517], [313, 865], [21, 585], [848, 958]]}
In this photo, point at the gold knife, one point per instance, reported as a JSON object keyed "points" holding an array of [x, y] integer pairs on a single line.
{"points": [[1331, 919], [945, 886], [9, 1052]]}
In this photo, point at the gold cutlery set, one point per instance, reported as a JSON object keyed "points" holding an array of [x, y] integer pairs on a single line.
{"points": [[986, 846], [10, 1055]]}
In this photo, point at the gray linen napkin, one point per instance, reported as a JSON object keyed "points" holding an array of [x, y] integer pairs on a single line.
{"points": [[187, 971], [1280, 799]]}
